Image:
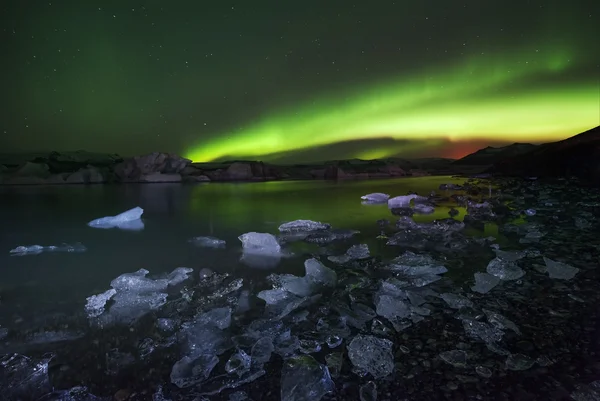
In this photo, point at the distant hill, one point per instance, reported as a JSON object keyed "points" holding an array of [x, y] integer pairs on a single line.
{"points": [[491, 155], [576, 156]]}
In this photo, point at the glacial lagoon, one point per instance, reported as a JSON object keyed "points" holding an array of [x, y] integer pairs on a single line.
{"points": [[479, 289]]}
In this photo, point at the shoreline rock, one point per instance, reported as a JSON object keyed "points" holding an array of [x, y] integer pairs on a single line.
{"points": [[90, 168]]}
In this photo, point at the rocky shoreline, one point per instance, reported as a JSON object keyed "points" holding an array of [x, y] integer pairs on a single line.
{"points": [[90, 168]]}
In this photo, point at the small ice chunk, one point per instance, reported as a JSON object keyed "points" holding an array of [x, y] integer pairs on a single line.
{"points": [[456, 301], [402, 201], [421, 208], [303, 226], [484, 331], [484, 282], [360, 251], [376, 197], [320, 273], [519, 362], [208, 242], [95, 304], [138, 282], [27, 250], [456, 358], [368, 391], [392, 308], [372, 354], [305, 379], [23, 378], [530, 212], [500, 321], [504, 270], [179, 275], [37, 249], [260, 243], [239, 363], [262, 350], [129, 220], [559, 270]]}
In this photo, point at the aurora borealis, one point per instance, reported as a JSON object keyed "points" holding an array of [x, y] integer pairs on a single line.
{"points": [[296, 82]]}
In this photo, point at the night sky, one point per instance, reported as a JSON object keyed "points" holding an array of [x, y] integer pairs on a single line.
{"points": [[293, 81]]}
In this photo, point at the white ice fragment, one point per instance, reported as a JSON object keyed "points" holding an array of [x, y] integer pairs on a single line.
{"points": [[456, 301], [320, 273], [421, 208], [372, 354], [138, 282], [504, 270], [305, 379], [376, 197], [208, 242], [260, 243], [303, 226], [402, 201], [95, 304], [128, 220], [37, 249], [456, 358], [559, 270], [360, 251], [500, 321], [484, 282], [179, 275]]}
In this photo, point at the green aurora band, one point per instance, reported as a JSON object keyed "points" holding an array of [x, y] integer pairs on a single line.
{"points": [[522, 96]]}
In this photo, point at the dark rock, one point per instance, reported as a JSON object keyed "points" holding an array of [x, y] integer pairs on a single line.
{"points": [[159, 178], [239, 172], [165, 163], [577, 156], [491, 155]]}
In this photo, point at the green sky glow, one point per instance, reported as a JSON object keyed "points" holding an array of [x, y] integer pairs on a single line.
{"points": [[519, 96]]}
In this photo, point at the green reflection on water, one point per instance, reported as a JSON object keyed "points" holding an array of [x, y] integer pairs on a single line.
{"points": [[338, 203]]}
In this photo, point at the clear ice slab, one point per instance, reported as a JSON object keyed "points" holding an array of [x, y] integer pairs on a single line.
{"points": [[37, 249], [128, 220]]}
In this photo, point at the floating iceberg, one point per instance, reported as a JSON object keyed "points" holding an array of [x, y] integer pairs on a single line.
{"points": [[403, 201], [260, 250], [303, 226], [376, 197], [129, 220], [208, 242], [37, 249]]}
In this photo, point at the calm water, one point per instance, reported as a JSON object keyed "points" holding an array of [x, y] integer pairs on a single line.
{"points": [[36, 286]]}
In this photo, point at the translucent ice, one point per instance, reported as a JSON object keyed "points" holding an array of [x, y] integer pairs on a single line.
{"points": [[95, 304], [37, 249], [560, 270], [23, 377], [484, 282], [500, 321], [376, 197], [519, 362], [401, 201], [456, 358], [208, 242], [368, 391], [372, 355], [129, 220], [260, 250], [360, 251], [303, 226], [305, 379], [456, 301], [505, 270]]}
